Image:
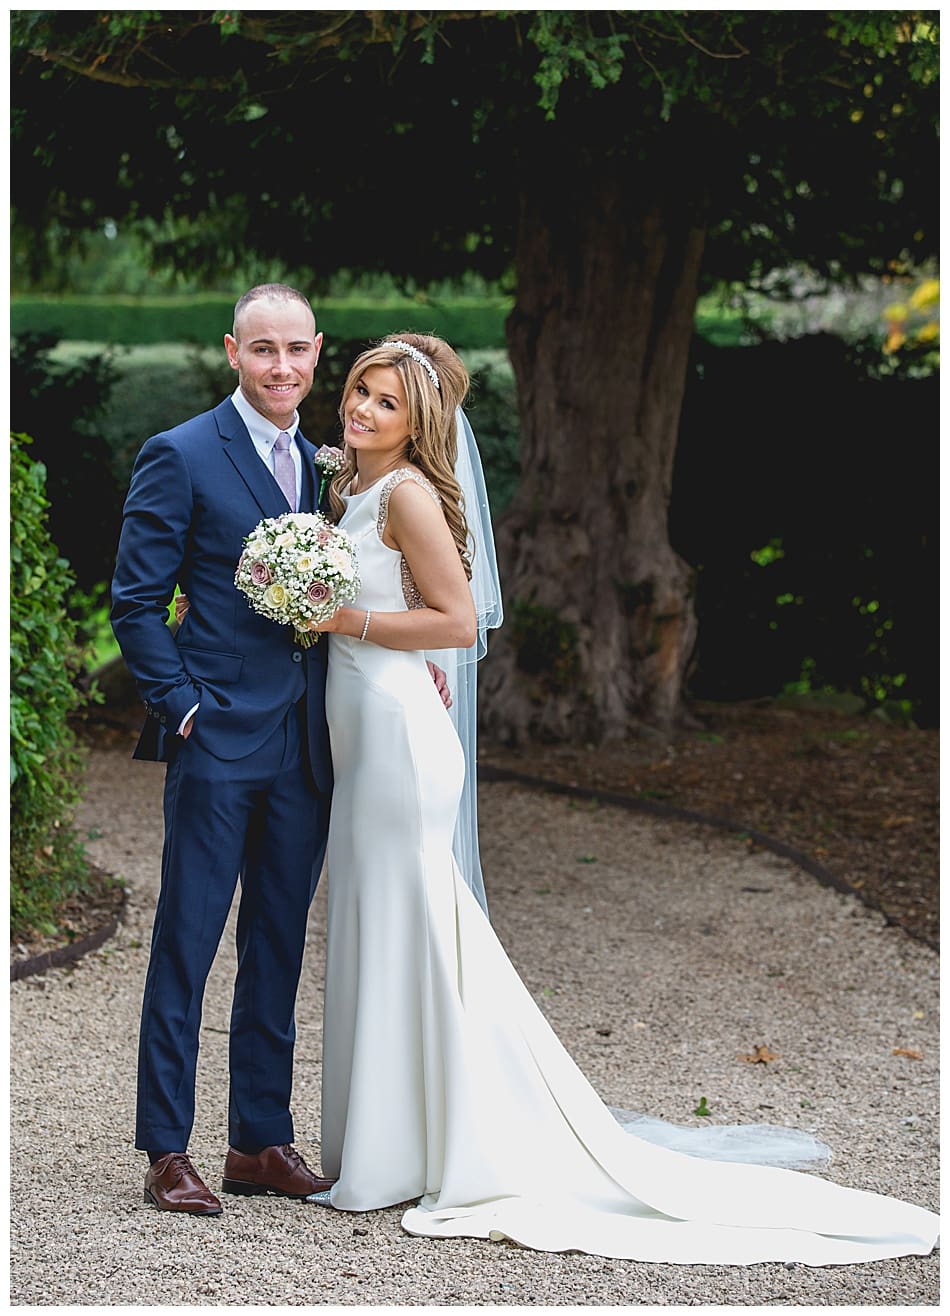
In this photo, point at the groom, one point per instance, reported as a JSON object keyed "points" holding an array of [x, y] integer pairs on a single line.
{"points": [[236, 710]]}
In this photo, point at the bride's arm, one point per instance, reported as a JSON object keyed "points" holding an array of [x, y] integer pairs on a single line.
{"points": [[417, 529]]}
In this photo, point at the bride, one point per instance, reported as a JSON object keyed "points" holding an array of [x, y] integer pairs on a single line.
{"points": [[442, 1081]]}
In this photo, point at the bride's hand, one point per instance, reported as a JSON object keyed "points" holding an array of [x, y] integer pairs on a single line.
{"points": [[335, 623], [182, 604]]}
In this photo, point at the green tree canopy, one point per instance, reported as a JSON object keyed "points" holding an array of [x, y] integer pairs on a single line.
{"points": [[399, 141], [609, 160]]}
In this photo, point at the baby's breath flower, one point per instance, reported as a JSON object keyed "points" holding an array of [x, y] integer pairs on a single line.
{"points": [[298, 568]]}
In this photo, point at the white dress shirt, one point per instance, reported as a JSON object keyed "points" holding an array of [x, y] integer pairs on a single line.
{"points": [[263, 434]]}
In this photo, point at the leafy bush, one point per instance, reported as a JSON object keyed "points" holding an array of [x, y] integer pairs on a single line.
{"points": [[493, 410], [47, 863], [160, 386]]}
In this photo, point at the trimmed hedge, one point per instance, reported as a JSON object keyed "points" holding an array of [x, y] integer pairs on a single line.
{"points": [[476, 322], [47, 863], [470, 322]]}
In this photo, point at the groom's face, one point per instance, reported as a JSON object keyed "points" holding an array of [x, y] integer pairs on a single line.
{"points": [[275, 352]]}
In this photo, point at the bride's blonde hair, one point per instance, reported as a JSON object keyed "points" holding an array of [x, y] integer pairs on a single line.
{"points": [[433, 442]]}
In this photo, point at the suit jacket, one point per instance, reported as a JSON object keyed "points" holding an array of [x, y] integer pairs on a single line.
{"points": [[197, 491]]}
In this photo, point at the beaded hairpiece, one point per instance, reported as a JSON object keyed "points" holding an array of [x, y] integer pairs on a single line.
{"points": [[416, 355]]}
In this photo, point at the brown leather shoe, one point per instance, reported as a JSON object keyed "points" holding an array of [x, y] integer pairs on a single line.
{"points": [[173, 1184], [280, 1170]]}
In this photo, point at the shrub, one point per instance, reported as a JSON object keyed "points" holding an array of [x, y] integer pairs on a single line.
{"points": [[493, 410], [160, 386], [47, 863]]}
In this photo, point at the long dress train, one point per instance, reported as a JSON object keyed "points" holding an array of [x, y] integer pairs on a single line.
{"points": [[442, 1080]]}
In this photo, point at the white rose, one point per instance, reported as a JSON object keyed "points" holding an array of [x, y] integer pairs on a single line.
{"points": [[340, 559], [306, 562], [286, 540]]}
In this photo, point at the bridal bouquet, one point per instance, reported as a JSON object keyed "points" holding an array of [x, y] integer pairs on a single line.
{"points": [[298, 568]]}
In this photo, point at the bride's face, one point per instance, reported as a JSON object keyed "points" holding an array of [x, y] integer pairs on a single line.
{"points": [[376, 413]]}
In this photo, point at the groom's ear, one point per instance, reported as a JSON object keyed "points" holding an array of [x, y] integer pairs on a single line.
{"points": [[231, 347], [317, 343]]}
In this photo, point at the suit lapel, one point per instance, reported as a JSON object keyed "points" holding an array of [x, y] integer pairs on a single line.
{"points": [[240, 450]]}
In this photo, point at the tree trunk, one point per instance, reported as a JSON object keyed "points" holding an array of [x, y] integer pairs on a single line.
{"points": [[599, 624]]}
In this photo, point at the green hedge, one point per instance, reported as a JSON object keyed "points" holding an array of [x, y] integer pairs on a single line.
{"points": [[476, 322], [47, 863], [471, 322]]}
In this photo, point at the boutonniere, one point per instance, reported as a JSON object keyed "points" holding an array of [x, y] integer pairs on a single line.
{"points": [[328, 462]]}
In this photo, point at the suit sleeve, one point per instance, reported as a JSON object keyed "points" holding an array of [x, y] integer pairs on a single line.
{"points": [[155, 527]]}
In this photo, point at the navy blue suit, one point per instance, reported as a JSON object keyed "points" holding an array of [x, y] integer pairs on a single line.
{"points": [[246, 794]]}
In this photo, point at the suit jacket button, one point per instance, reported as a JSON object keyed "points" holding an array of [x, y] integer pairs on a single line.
{"points": [[297, 656]]}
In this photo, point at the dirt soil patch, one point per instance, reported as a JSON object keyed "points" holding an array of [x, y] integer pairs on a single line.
{"points": [[858, 794], [80, 917]]}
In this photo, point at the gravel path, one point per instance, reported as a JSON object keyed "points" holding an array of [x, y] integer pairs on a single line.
{"points": [[659, 951]]}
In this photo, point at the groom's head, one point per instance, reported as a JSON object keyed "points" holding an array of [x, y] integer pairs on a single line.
{"points": [[274, 348]]}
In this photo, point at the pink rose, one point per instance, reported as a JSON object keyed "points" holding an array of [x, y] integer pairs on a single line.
{"points": [[260, 573], [318, 592], [323, 536]]}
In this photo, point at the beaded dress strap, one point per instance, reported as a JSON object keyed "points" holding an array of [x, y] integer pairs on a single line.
{"points": [[410, 590], [397, 477]]}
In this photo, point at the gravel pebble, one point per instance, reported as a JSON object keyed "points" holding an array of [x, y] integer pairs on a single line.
{"points": [[659, 951]]}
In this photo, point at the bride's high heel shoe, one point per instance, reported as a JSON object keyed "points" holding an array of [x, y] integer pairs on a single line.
{"points": [[322, 1198]]}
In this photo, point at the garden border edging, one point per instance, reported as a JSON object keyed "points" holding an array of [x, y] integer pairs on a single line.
{"points": [[825, 876]]}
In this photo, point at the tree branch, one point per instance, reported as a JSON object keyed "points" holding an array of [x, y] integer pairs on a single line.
{"points": [[713, 54], [97, 73], [379, 26]]}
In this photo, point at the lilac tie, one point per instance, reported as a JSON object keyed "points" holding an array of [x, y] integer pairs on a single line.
{"points": [[284, 472]]}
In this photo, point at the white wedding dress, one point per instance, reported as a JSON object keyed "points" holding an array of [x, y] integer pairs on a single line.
{"points": [[442, 1081]]}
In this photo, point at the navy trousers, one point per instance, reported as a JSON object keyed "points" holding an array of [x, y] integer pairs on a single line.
{"points": [[261, 819]]}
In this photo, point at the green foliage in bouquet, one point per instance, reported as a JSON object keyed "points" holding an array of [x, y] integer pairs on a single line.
{"points": [[47, 863]]}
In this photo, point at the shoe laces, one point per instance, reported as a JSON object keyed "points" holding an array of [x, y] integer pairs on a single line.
{"points": [[293, 1155], [182, 1163]]}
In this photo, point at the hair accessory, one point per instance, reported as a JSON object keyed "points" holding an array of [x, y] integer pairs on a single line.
{"points": [[416, 355]]}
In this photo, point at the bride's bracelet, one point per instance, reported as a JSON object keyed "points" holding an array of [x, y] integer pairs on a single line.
{"points": [[365, 624]]}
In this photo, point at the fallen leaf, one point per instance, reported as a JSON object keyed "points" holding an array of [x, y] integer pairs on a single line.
{"points": [[907, 1051], [761, 1056], [897, 820], [702, 1108]]}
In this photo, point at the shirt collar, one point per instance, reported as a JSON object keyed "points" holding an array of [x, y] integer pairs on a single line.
{"points": [[263, 431]]}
